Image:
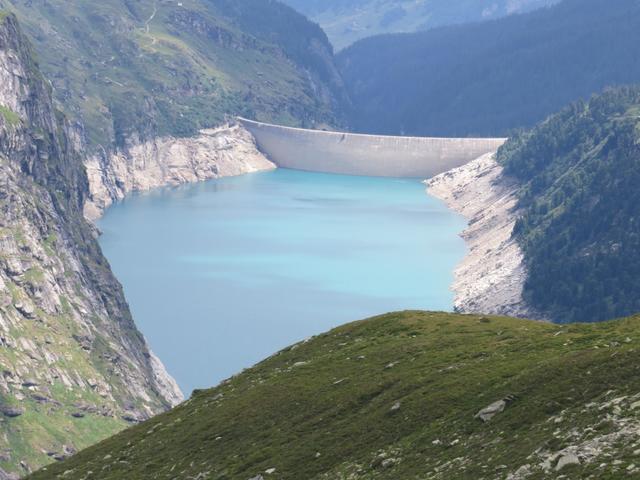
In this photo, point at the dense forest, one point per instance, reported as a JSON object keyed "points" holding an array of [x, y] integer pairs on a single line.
{"points": [[580, 228], [491, 77]]}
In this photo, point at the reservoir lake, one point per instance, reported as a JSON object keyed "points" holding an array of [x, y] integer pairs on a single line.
{"points": [[222, 274]]}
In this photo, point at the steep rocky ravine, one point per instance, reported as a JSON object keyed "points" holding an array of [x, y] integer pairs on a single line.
{"points": [[74, 367]]}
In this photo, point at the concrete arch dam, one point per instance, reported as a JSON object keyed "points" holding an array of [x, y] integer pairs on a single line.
{"points": [[369, 155]]}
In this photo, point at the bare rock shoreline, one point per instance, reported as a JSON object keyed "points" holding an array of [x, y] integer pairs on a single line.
{"points": [[491, 278], [168, 161]]}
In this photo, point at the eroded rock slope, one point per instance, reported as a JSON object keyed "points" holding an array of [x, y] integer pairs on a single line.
{"points": [[74, 368]]}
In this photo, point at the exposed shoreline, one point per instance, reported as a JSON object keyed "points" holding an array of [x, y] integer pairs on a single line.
{"points": [[489, 280], [168, 161], [491, 277]]}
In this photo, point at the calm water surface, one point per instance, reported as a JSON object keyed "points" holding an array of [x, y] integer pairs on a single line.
{"points": [[221, 274]]}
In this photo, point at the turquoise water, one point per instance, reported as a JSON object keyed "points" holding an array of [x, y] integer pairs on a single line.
{"points": [[222, 274]]}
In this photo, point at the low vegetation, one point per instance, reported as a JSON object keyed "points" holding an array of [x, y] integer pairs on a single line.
{"points": [[397, 396]]}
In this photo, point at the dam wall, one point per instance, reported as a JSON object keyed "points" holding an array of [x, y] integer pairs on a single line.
{"points": [[368, 155]]}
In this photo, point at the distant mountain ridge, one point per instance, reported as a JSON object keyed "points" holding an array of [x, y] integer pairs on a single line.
{"points": [[347, 21], [490, 78]]}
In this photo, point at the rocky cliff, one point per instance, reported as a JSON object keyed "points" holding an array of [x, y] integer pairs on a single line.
{"points": [[141, 166], [74, 367]]}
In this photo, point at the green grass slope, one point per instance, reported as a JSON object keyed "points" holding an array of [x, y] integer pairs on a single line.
{"points": [[154, 67], [394, 397]]}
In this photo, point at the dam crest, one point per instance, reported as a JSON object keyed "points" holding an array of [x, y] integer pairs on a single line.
{"points": [[367, 155]]}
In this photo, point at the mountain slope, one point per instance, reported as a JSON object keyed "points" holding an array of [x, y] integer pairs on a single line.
{"points": [[74, 367], [489, 78], [580, 228], [136, 70], [395, 397], [351, 20]]}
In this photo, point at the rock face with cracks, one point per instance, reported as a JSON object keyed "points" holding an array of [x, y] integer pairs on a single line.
{"points": [[73, 363]]}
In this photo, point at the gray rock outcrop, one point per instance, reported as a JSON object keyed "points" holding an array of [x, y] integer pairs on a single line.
{"points": [[65, 328], [169, 161]]}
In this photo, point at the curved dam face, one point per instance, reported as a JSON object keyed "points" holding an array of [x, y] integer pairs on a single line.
{"points": [[369, 155]]}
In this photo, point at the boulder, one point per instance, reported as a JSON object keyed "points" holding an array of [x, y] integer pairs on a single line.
{"points": [[11, 412], [491, 411], [26, 309], [566, 460]]}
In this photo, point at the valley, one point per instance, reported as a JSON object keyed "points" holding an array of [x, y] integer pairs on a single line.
{"points": [[240, 267], [483, 163], [347, 21]]}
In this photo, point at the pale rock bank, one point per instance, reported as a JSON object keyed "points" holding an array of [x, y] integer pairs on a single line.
{"points": [[491, 277], [169, 161]]}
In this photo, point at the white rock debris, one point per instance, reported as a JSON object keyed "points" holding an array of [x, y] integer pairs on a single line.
{"points": [[490, 279], [168, 161]]}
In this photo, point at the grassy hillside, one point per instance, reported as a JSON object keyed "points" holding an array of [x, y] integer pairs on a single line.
{"points": [[394, 397], [346, 21], [148, 67], [489, 78], [580, 229]]}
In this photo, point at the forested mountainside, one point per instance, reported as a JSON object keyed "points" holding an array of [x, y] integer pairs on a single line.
{"points": [[346, 21], [74, 368], [149, 68], [400, 396], [580, 226], [489, 78]]}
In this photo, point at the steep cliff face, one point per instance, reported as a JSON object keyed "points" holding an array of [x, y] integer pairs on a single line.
{"points": [[141, 166], [74, 367]]}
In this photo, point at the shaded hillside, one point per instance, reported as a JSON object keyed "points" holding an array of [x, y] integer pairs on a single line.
{"points": [[347, 21], [489, 78], [74, 367], [395, 397], [155, 67], [580, 228]]}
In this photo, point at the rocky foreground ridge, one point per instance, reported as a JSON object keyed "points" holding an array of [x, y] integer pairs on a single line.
{"points": [[74, 367]]}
